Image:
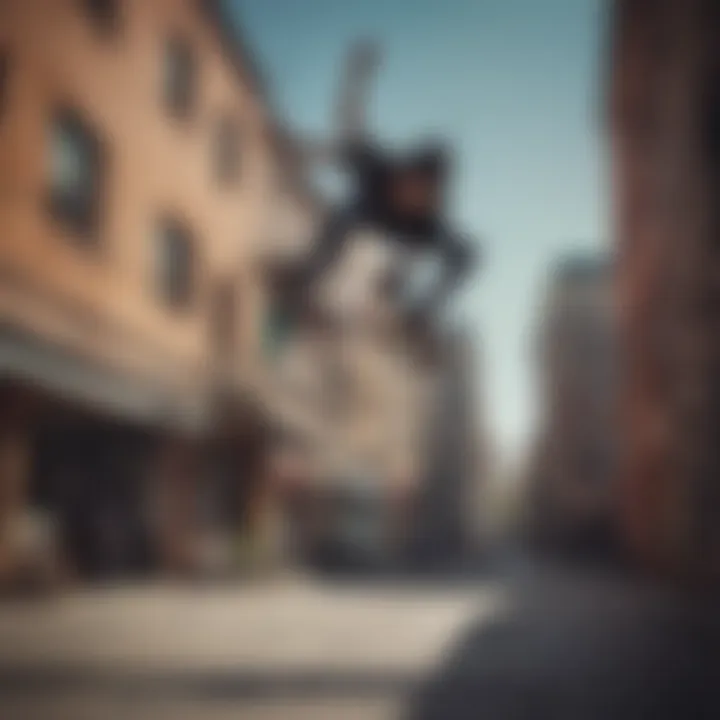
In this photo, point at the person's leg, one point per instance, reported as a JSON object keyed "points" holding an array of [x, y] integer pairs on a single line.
{"points": [[425, 313], [328, 245]]}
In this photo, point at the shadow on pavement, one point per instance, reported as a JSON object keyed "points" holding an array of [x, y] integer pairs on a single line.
{"points": [[579, 649]]}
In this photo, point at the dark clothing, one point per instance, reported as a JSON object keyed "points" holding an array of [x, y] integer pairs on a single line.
{"points": [[373, 173]]}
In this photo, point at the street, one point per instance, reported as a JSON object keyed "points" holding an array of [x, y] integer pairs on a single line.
{"points": [[533, 644], [279, 650]]}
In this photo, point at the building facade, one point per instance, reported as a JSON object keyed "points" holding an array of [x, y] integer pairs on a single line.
{"points": [[575, 455], [353, 397], [137, 170], [664, 125], [448, 519]]}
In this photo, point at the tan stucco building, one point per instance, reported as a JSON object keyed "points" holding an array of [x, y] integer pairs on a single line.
{"points": [[139, 171]]}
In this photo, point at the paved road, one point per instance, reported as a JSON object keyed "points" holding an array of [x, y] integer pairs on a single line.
{"points": [[541, 645], [582, 646]]}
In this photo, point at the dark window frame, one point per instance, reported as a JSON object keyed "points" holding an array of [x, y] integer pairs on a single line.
{"points": [[180, 78], [104, 14], [175, 263], [710, 118], [78, 209], [225, 313], [5, 69], [227, 150]]}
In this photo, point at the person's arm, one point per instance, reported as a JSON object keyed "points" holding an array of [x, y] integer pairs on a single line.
{"points": [[351, 113], [349, 139], [459, 258]]}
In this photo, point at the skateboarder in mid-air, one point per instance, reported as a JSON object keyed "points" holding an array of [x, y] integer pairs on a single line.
{"points": [[402, 196]]}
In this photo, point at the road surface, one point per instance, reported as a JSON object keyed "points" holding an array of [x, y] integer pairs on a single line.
{"points": [[297, 649], [541, 645]]}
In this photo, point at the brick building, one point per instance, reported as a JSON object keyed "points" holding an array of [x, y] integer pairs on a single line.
{"points": [[139, 165], [664, 126]]}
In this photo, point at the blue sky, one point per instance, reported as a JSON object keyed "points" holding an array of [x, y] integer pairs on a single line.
{"points": [[515, 85]]}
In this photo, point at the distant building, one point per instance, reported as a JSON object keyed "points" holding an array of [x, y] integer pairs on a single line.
{"points": [[664, 127], [352, 396], [448, 514], [137, 160], [572, 488]]}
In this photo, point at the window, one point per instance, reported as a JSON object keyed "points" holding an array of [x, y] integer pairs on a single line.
{"points": [[711, 119], [103, 13], [174, 264], [225, 317], [227, 151], [277, 328], [4, 79], [179, 78], [75, 173]]}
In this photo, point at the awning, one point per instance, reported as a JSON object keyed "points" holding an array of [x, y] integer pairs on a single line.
{"points": [[131, 397]]}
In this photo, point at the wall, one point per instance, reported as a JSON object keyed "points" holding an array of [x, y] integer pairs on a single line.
{"points": [[574, 456], [100, 300], [664, 66]]}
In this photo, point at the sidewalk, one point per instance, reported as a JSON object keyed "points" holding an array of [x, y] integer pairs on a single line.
{"points": [[291, 646]]}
